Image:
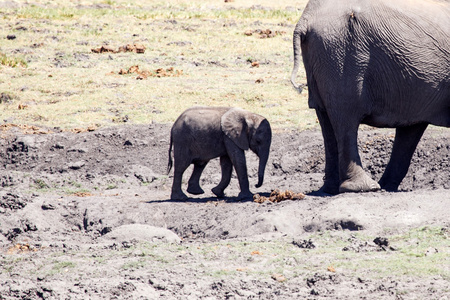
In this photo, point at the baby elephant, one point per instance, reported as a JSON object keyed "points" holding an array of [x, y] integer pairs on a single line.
{"points": [[203, 133]]}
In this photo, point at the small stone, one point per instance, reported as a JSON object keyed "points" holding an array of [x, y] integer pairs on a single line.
{"points": [[278, 277], [48, 206], [380, 241], [77, 165]]}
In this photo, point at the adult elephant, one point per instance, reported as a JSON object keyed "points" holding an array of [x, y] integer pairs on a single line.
{"points": [[203, 133], [380, 62]]}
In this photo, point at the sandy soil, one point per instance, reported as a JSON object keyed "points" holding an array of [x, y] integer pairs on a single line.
{"points": [[87, 215]]}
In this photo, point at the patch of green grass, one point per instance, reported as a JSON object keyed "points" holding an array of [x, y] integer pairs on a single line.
{"points": [[12, 61], [8, 264], [421, 252], [49, 13], [68, 188], [59, 267], [111, 187], [260, 260], [69, 86], [141, 263], [223, 273], [156, 11], [71, 191], [40, 184]]}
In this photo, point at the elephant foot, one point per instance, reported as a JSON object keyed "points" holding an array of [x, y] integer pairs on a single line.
{"points": [[245, 196], [360, 184], [218, 192], [197, 190], [178, 196], [388, 185], [329, 188]]}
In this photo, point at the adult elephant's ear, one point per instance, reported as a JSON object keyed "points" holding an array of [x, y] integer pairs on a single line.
{"points": [[235, 124]]}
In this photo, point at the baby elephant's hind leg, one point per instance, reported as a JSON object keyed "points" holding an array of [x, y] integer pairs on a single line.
{"points": [[177, 193], [227, 169], [194, 182]]}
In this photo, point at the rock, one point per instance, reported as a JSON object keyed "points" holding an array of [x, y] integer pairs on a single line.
{"points": [[278, 277], [143, 173], [24, 143], [142, 232], [5, 98], [78, 149], [380, 241], [304, 244], [139, 48], [12, 201], [77, 165], [431, 251], [48, 206]]}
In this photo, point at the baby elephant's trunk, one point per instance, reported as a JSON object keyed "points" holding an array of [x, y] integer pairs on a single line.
{"points": [[262, 166]]}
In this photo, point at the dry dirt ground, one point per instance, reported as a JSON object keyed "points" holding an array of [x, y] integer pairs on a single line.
{"points": [[88, 216]]}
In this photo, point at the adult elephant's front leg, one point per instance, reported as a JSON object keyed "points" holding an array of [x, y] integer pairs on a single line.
{"points": [[227, 168], [405, 143], [237, 157]]}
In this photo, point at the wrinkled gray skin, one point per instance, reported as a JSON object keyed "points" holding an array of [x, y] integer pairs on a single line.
{"points": [[376, 62], [203, 133]]}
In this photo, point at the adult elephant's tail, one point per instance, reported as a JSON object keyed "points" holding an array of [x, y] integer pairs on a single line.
{"points": [[299, 33]]}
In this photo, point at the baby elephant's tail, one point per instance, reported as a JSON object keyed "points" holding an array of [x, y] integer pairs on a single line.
{"points": [[169, 165]]}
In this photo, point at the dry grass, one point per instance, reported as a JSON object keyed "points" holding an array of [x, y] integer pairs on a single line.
{"points": [[64, 84]]}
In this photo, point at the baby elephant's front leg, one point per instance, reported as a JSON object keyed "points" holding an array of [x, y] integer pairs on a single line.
{"points": [[237, 157]]}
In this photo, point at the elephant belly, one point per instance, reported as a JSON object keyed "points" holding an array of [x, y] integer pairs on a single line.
{"points": [[205, 151], [388, 121], [399, 118]]}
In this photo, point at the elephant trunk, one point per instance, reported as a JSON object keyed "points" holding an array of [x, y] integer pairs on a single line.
{"points": [[262, 167]]}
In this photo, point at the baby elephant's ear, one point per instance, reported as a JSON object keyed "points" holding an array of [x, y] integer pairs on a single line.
{"points": [[235, 125]]}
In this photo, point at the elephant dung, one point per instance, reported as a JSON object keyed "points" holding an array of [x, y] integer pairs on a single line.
{"points": [[278, 196], [136, 48]]}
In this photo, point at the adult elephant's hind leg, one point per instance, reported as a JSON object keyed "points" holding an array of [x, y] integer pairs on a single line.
{"points": [[331, 180], [405, 143], [351, 174], [227, 169], [194, 182]]}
